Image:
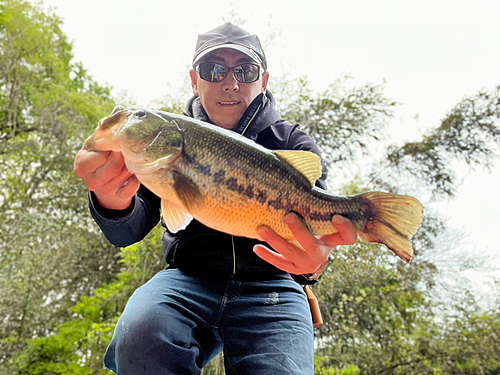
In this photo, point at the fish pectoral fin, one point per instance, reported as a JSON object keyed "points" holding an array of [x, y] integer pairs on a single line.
{"points": [[188, 192], [174, 217], [306, 162]]}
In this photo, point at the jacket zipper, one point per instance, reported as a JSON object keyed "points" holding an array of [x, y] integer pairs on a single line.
{"points": [[243, 132], [234, 256]]}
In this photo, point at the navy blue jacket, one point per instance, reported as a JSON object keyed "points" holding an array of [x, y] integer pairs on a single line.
{"points": [[199, 250]]}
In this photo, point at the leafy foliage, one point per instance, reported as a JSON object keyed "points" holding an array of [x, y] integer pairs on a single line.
{"points": [[342, 120], [51, 252], [77, 346], [470, 132]]}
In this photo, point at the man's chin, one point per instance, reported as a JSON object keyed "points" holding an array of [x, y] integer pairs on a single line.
{"points": [[228, 120], [226, 125]]}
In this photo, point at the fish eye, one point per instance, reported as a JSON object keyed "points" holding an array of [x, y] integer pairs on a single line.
{"points": [[140, 113]]}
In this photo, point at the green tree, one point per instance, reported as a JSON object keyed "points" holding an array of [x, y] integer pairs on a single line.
{"points": [[50, 250], [383, 316], [77, 346]]}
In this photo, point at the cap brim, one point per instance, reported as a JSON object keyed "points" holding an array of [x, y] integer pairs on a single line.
{"points": [[247, 51]]}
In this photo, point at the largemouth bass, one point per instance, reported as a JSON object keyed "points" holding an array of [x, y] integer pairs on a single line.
{"points": [[234, 185]]}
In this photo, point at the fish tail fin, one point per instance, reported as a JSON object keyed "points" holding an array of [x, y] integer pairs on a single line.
{"points": [[394, 219]]}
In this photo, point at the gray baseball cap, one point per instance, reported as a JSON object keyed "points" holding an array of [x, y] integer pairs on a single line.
{"points": [[230, 36]]}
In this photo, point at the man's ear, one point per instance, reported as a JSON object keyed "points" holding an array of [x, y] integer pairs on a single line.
{"points": [[265, 79], [194, 81]]}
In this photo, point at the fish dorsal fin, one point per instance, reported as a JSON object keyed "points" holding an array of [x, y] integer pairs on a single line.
{"points": [[188, 192], [306, 162], [174, 217]]}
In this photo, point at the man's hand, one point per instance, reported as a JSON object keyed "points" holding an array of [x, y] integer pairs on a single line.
{"points": [[105, 173], [291, 258]]}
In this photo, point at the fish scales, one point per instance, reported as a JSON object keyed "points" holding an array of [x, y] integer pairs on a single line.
{"points": [[245, 189], [234, 185]]}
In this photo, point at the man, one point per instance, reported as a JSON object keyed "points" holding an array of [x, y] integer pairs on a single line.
{"points": [[219, 292]]}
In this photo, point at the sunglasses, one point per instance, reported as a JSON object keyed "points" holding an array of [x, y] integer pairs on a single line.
{"points": [[214, 72]]}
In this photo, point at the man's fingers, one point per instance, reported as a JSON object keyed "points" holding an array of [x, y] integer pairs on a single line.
{"points": [[112, 186], [287, 256], [346, 235], [86, 162], [129, 188], [303, 236], [278, 243], [105, 173], [276, 259], [112, 168], [347, 230], [311, 252]]}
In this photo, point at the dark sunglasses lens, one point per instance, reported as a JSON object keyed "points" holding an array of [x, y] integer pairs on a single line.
{"points": [[212, 72], [246, 73]]}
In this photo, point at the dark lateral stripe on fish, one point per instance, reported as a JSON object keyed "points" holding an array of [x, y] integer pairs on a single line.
{"points": [[355, 217], [219, 175], [260, 196], [249, 193], [320, 216], [278, 204], [204, 169], [232, 184]]}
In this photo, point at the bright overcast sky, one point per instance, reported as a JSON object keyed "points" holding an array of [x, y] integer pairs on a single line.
{"points": [[431, 54]]}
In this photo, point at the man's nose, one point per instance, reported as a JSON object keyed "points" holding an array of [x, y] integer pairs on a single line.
{"points": [[230, 83]]}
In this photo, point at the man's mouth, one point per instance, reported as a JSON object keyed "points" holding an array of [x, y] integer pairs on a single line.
{"points": [[229, 102]]}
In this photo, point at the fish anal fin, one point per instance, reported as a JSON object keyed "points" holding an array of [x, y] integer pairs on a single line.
{"points": [[188, 192], [306, 162], [174, 217]]}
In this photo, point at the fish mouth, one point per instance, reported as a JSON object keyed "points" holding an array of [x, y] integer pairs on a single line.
{"points": [[117, 117]]}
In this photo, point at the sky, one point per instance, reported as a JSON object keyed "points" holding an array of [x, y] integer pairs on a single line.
{"points": [[429, 55]]}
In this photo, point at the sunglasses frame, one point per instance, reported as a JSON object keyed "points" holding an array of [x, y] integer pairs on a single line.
{"points": [[230, 69]]}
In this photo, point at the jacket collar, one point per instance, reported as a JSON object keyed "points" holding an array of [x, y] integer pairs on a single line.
{"points": [[259, 115]]}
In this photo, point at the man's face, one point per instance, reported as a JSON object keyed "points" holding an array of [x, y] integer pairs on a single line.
{"points": [[225, 101]]}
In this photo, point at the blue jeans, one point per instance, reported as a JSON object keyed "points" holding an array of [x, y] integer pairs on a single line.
{"points": [[175, 324]]}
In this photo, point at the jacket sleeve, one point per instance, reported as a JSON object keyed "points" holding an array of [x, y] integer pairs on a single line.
{"points": [[125, 227]]}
